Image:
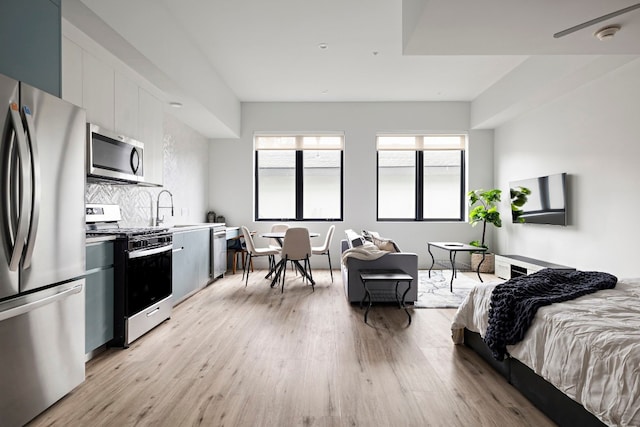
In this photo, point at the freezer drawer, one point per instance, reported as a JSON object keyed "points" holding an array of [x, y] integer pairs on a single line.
{"points": [[43, 350]]}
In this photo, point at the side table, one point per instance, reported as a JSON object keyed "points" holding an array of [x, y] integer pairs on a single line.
{"points": [[453, 248], [379, 275]]}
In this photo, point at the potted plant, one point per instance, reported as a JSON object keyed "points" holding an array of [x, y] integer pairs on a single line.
{"points": [[519, 197], [485, 211]]}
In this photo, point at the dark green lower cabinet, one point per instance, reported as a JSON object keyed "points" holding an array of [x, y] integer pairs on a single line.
{"points": [[99, 295], [190, 271]]}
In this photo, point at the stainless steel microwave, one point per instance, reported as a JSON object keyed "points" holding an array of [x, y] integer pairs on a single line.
{"points": [[113, 157]]}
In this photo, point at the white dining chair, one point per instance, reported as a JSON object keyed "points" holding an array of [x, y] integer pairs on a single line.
{"points": [[274, 243], [277, 228], [256, 252], [296, 247], [324, 249]]}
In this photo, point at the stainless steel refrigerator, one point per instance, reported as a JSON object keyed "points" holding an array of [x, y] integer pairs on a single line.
{"points": [[42, 250]]}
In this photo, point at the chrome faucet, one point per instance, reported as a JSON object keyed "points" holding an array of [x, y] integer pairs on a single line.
{"points": [[158, 219]]}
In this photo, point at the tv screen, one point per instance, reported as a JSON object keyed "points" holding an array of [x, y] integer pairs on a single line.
{"points": [[540, 200]]}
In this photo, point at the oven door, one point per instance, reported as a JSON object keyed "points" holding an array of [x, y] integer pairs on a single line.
{"points": [[148, 278]]}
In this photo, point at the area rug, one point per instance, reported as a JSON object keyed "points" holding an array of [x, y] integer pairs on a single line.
{"points": [[434, 292]]}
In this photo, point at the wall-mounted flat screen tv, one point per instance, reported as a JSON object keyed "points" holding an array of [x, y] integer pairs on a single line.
{"points": [[540, 200]]}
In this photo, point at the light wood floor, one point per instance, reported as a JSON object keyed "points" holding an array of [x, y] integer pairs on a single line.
{"points": [[236, 356]]}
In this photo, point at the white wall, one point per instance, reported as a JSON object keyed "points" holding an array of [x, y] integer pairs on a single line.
{"points": [[593, 134], [231, 164]]}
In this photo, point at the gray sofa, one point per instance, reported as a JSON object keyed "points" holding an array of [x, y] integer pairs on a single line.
{"points": [[353, 287]]}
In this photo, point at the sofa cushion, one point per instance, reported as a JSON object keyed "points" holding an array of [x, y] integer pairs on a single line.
{"points": [[354, 239]]}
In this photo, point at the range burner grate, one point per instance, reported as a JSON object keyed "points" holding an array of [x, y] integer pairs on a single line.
{"points": [[121, 231]]}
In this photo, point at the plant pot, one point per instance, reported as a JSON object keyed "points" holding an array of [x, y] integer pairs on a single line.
{"points": [[488, 266]]}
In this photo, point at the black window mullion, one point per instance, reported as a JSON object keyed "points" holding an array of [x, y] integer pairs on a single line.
{"points": [[378, 185], [255, 193], [463, 193], [341, 184], [419, 185], [299, 185]]}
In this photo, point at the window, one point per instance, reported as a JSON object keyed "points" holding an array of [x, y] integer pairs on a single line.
{"points": [[298, 177], [420, 177]]}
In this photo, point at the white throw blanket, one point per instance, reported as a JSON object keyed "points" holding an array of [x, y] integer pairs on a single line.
{"points": [[367, 252]]}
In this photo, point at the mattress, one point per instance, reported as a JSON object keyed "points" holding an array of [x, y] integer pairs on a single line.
{"points": [[588, 348]]}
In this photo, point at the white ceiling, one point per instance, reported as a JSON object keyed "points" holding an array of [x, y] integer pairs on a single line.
{"points": [[214, 53], [517, 27]]}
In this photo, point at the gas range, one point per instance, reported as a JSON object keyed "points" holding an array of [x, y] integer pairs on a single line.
{"points": [[142, 270], [103, 220], [125, 232], [136, 238]]}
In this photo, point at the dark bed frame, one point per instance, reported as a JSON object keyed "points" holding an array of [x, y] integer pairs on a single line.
{"points": [[556, 405]]}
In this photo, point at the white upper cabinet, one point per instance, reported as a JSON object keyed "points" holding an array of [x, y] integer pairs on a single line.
{"points": [[152, 134], [126, 107], [71, 72], [115, 102], [97, 91]]}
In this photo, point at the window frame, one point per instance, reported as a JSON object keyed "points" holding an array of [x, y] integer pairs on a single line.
{"points": [[419, 149], [299, 149]]}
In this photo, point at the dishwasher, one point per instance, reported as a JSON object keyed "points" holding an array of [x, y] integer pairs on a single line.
{"points": [[218, 251]]}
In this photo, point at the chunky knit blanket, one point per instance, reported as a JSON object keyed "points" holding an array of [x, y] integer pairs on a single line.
{"points": [[515, 302]]}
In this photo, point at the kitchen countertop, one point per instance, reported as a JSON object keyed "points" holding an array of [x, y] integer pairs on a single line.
{"points": [[178, 228], [188, 227]]}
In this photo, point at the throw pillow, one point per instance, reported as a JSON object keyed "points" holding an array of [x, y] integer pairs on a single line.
{"points": [[386, 244], [369, 235]]}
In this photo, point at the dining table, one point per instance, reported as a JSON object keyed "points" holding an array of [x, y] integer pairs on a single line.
{"points": [[278, 236]]}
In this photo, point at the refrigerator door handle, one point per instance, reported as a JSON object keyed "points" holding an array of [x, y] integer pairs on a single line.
{"points": [[25, 308], [23, 226], [35, 187]]}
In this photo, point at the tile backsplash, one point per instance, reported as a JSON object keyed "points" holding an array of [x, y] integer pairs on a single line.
{"points": [[185, 175]]}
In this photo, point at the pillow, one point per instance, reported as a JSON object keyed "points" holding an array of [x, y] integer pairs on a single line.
{"points": [[353, 238], [369, 235], [385, 244]]}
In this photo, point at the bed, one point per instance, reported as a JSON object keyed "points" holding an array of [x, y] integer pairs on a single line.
{"points": [[579, 361]]}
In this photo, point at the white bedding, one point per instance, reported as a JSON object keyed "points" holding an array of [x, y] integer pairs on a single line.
{"points": [[589, 348]]}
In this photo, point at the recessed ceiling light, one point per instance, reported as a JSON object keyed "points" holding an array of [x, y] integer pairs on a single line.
{"points": [[323, 46], [607, 33], [324, 92], [176, 104]]}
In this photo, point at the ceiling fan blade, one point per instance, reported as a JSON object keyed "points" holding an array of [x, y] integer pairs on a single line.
{"points": [[596, 20]]}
